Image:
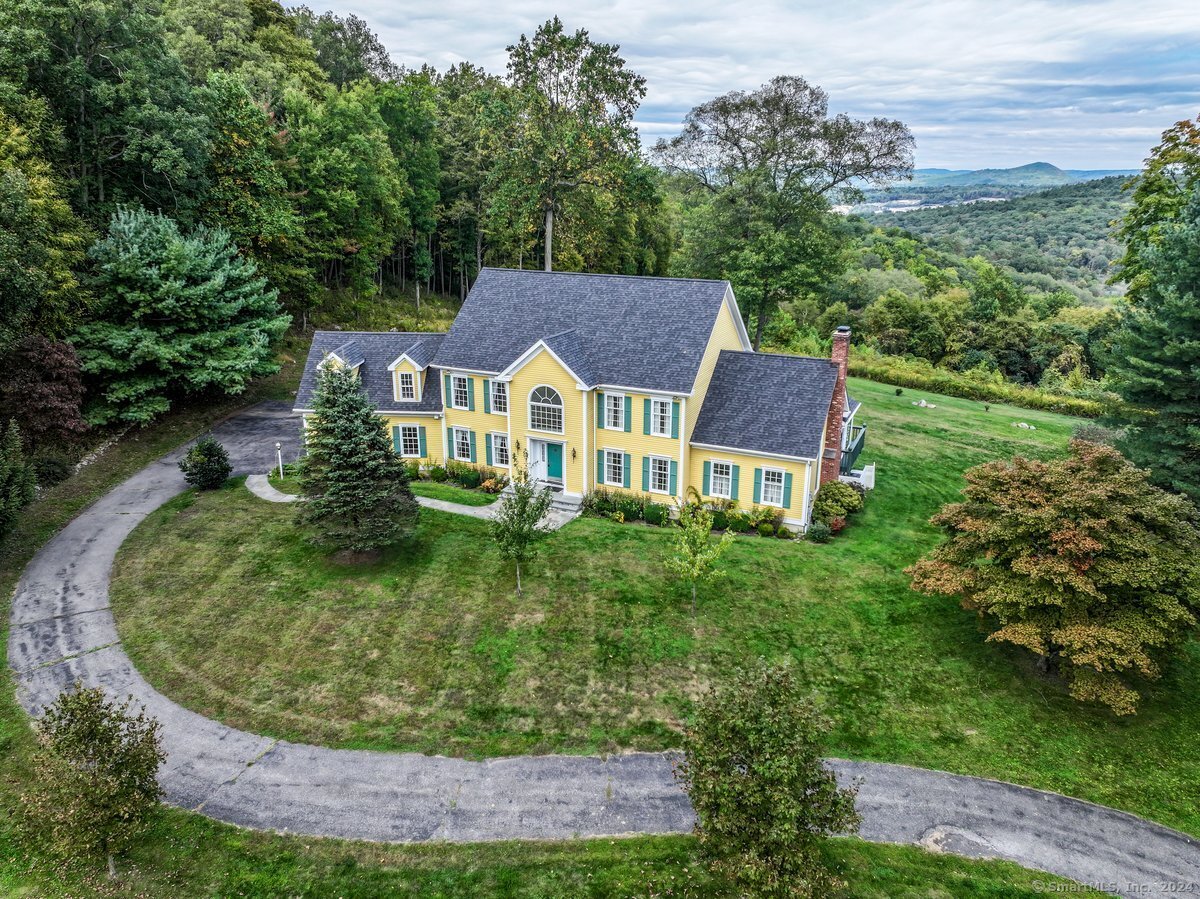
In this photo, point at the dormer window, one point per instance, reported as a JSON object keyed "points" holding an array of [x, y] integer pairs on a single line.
{"points": [[407, 386]]}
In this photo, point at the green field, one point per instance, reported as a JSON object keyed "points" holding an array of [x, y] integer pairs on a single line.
{"points": [[431, 650]]}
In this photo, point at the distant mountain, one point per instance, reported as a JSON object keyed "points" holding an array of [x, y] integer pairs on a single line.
{"points": [[1035, 174]]}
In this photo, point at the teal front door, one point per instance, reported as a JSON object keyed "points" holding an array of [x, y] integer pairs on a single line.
{"points": [[554, 462]]}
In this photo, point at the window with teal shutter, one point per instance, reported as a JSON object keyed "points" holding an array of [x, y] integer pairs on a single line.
{"points": [[675, 420], [733, 487], [471, 437], [646, 416], [471, 399], [758, 485], [421, 440], [628, 414], [646, 473], [487, 398], [706, 490], [448, 395], [787, 490], [599, 467], [674, 478], [396, 439], [600, 410], [626, 465], [487, 438]]}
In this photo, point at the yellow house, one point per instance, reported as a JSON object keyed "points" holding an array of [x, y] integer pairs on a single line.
{"points": [[638, 384]]}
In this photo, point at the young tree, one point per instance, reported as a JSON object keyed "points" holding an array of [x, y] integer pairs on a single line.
{"points": [[356, 486], [1081, 561], [765, 802], [16, 478], [206, 465], [95, 769], [42, 390], [517, 526], [696, 553], [1155, 363], [175, 314], [572, 124]]}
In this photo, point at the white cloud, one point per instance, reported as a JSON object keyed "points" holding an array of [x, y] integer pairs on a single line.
{"points": [[1080, 84]]}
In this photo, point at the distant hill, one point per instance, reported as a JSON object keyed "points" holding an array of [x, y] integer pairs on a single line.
{"points": [[1061, 237]]}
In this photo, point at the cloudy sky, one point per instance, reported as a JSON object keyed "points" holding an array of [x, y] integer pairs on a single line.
{"points": [[980, 82]]}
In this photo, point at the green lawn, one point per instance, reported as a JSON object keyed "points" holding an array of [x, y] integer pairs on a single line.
{"points": [[289, 483], [452, 493], [431, 650]]}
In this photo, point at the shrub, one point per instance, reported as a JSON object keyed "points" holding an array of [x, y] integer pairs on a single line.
{"points": [[766, 529], [206, 465], [820, 532], [836, 500], [740, 521], [599, 502], [437, 473], [720, 520], [837, 524], [470, 478], [51, 470], [766, 804], [899, 391], [412, 468], [784, 533], [630, 508], [617, 516], [1094, 433], [655, 513]]}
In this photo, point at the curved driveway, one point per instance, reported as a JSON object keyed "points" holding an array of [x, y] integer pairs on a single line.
{"points": [[62, 629]]}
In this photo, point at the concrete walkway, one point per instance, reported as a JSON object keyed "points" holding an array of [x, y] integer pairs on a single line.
{"points": [[62, 630], [260, 486]]}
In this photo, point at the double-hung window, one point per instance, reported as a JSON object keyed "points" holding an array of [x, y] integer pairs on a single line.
{"points": [[461, 396], [462, 444], [500, 397], [614, 411], [772, 487], [660, 475], [408, 386], [614, 468], [410, 441], [721, 480], [500, 449], [660, 418]]}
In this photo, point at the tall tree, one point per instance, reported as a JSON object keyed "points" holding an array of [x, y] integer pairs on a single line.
{"points": [[16, 478], [42, 390], [130, 127], [347, 49], [356, 488], [572, 124], [175, 314], [770, 161], [95, 782], [1081, 561], [1155, 363]]}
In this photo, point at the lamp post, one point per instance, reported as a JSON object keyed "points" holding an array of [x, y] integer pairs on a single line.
{"points": [[279, 456]]}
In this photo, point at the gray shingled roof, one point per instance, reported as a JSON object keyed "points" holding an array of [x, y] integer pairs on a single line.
{"points": [[350, 353], [634, 331], [852, 406], [378, 350], [568, 346], [767, 403]]}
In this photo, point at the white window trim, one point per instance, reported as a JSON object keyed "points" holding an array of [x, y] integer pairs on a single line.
{"points": [[507, 449], [620, 410], [400, 397], [417, 431], [667, 459], [782, 486], [492, 391], [562, 408], [606, 481], [455, 430], [712, 474], [466, 387], [654, 418]]}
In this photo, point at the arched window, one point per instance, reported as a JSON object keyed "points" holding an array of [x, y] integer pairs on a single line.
{"points": [[546, 410]]}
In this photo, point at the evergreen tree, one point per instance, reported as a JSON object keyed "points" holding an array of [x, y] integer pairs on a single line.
{"points": [[16, 478], [356, 486], [1155, 364], [175, 314]]}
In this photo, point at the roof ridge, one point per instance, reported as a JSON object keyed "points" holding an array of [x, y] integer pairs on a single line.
{"points": [[779, 355], [536, 271], [382, 333]]}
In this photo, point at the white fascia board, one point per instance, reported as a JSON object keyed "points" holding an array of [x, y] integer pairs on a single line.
{"points": [[529, 355], [403, 356], [737, 318], [755, 453]]}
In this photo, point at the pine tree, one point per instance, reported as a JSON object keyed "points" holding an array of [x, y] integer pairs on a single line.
{"points": [[356, 486], [1155, 366], [16, 478]]}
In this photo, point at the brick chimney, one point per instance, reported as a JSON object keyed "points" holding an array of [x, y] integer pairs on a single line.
{"points": [[831, 461]]}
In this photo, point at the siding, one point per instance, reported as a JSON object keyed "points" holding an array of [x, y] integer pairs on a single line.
{"points": [[725, 336], [478, 421], [418, 379], [543, 369], [435, 452], [636, 442], [795, 514]]}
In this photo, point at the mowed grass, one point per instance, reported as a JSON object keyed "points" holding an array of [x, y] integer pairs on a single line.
{"points": [[452, 493], [226, 607]]}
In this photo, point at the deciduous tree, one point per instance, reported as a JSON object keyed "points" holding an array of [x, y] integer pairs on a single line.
{"points": [[42, 390], [1081, 561], [518, 525], [356, 488], [696, 553], [765, 802]]}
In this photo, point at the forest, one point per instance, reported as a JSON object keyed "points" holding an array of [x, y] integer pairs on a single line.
{"points": [[184, 184]]}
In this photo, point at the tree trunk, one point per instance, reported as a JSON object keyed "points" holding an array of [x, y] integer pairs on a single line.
{"points": [[693, 599], [519, 593], [478, 251], [112, 867], [550, 240]]}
